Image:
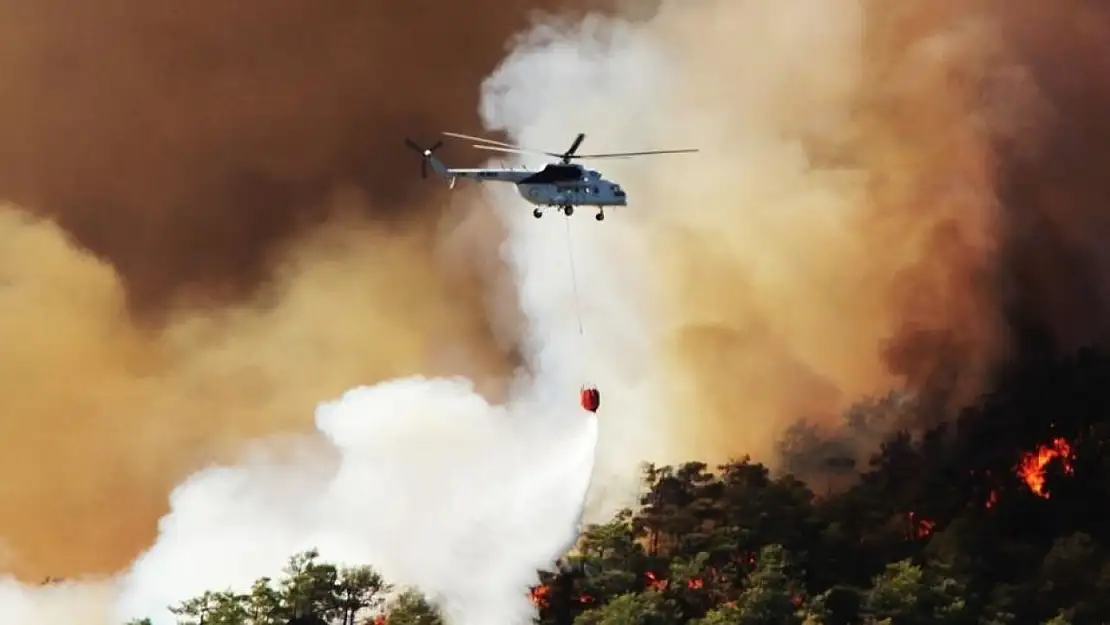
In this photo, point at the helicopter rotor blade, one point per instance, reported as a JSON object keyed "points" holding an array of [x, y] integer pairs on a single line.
{"points": [[459, 135], [569, 154], [495, 148], [628, 154]]}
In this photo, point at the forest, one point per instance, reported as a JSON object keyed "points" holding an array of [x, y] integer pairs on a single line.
{"points": [[993, 516]]}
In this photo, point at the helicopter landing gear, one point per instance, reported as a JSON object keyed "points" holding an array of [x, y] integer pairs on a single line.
{"points": [[537, 213], [568, 210], [600, 216]]}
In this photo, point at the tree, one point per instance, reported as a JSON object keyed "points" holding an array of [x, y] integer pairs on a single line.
{"points": [[905, 594], [358, 589], [647, 608], [728, 614], [309, 593], [771, 595], [939, 529], [410, 608]]}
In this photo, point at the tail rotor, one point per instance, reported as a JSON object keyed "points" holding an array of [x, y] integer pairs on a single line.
{"points": [[425, 153]]}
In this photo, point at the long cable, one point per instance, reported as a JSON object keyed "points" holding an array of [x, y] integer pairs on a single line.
{"points": [[574, 279]]}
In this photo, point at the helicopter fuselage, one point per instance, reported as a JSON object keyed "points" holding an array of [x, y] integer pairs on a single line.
{"points": [[598, 193], [554, 185]]}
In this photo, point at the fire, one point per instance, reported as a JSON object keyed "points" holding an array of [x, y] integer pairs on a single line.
{"points": [[744, 558], [1032, 466], [694, 584], [992, 498], [654, 583], [919, 528], [539, 596]]}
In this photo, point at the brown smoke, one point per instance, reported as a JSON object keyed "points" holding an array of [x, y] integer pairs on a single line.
{"points": [[182, 142], [104, 416], [208, 152], [889, 195]]}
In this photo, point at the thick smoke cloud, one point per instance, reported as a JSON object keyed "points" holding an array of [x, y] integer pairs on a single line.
{"points": [[103, 417], [238, 174], [886, 198], [183, 142], [889, 196]]}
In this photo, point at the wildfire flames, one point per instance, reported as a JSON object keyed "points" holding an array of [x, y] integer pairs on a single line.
{"points": [[1031, 469], [654, 583], [539, 595], [919, 528]]}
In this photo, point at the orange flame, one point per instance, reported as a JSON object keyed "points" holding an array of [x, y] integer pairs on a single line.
{"points": [[694, 584], [1032, 466], [539, 596], [654, 583]]}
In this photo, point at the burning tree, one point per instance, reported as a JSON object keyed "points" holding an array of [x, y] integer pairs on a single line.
{"points": [[1032, 467]]}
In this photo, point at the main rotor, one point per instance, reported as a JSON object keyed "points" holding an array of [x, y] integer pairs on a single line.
{"points": [[565, 157]]}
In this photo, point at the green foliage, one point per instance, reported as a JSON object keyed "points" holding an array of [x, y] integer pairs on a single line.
{"points": [[410, 608], [309, 593], [907, 538], [647, 608]]}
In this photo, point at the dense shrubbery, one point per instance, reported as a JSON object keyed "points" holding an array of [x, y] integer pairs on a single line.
{"points": [[997, 518]]}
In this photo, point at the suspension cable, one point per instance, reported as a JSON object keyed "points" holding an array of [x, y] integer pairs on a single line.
{"points": [[574, 278]]}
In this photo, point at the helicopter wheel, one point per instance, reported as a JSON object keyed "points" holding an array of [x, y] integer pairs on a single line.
{"points": [[568, 210], [600, 216], [537, 213]]}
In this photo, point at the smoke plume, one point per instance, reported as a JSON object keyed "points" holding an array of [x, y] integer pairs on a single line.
{"points": [[231, 231], [888, 196], [183, 144], [105, 416], [886, 199]]}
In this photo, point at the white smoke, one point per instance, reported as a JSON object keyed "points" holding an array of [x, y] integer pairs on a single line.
{"points": [[422, 478], [557, 82], [427, 482]]}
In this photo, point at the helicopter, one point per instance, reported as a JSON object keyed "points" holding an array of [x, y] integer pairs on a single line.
{"points": [[562, 185]]}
